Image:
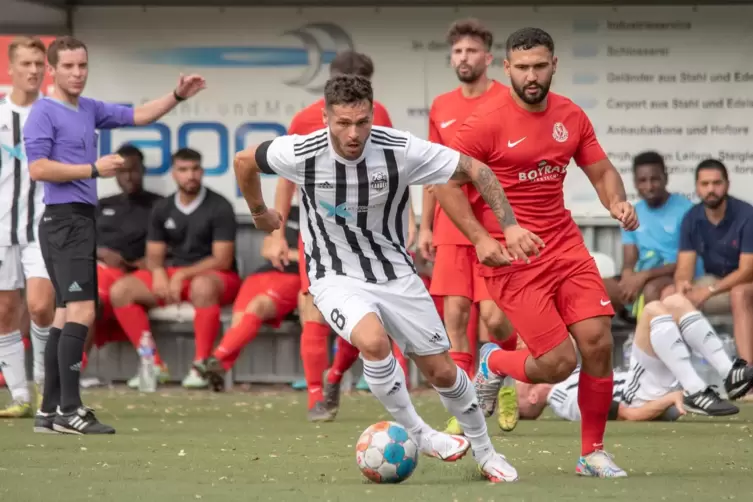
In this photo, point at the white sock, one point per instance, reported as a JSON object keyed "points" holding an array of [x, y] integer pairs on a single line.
{"points": [[13, 364], [387, 382], [38, 342], [461, 401], [702, 337], [670, 348]]}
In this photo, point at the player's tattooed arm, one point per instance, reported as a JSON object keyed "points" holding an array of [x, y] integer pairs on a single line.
{"points": [[487, 184], [249, 181]]}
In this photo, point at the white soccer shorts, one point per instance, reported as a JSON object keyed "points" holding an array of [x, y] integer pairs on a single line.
{"points": [[18, 263], [649, 379], [404, 307]]}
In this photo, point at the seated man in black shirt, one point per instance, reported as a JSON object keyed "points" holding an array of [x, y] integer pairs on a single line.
{"points": [[268, 295], [122, 222], [190, 256]]}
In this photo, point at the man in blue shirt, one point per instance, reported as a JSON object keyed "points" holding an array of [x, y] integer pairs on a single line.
{"points": [[650, 252], [61, 146], [720, 231]]}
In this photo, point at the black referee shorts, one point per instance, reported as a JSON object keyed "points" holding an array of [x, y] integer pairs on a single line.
{"points": [[68, 239]]}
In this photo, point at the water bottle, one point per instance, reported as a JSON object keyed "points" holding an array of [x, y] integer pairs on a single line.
{"points": [[627, 350], [147, 368]]}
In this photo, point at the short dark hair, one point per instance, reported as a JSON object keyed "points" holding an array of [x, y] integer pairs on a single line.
{"points": [[187, 154], [470, 27], [66, 43], [649, 158], [352, 63], [348, 90], [527, 38], [714, 165], [128, 150], [26, 43]]}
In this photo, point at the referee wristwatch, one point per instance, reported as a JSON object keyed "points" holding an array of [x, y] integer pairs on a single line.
{"points": [[95, 171]]}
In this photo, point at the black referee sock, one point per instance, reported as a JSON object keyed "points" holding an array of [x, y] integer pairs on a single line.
{"points": [[70, 353], [51, 396]]}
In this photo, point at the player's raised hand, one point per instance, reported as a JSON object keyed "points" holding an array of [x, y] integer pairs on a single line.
{"points": [[624, 212], [522, 243], [492, 254], [268, 220], [190, 85], [108, 165]]}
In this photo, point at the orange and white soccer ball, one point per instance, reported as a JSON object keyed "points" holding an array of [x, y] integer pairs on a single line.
{"points": [[386, 454]]}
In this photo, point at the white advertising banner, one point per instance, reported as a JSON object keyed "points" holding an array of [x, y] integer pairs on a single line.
{"points": [[677, 80]]}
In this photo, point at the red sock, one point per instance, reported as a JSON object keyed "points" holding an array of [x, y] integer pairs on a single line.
{"points": [[402, 361], [510, 343], [84, 361], [26, 342], [513, 363], [206, 326], [463, 360], [472, 329], [345, 357], [134, 321], [236, 338], [594, 401], [315, 358]]}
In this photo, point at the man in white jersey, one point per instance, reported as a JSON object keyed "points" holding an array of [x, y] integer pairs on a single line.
{"points": [[354, 180], [21, 263], [661, 376]]}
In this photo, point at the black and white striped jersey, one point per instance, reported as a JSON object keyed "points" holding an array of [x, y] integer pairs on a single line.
{"points": [[354, 213], [563, 397], [21, 207]]}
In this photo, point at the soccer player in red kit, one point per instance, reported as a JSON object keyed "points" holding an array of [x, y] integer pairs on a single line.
{"points": [[315, 335], [552, 289], [455, 278]]}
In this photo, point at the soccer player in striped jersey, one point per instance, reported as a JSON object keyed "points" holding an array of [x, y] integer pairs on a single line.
{"points": [[21, 263], [323, 396], [354, 181]]}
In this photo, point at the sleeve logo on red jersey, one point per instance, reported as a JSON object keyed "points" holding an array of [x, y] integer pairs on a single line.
{"points": [[560, 133]]}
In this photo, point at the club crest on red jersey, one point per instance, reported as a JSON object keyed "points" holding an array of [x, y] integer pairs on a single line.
{"points": [[560, 132]]}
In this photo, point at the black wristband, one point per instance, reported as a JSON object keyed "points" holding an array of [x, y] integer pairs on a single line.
{"points": [[95, 171], [177, 97]]}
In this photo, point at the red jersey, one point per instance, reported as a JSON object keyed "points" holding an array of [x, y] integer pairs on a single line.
{"points": [[529, 152], [448, 112], [310, 119]]}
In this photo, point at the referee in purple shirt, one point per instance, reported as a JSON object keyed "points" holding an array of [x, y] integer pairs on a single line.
{"points": [[60, 138]]}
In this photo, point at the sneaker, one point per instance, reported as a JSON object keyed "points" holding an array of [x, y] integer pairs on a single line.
{"points": [[193, 380], [362, 385], [81, 422], [453, 427], [212, 371], [331, 396], [507, 412], [43, 423], [707, 402], [739, 380], [163, 376], [17, 409], [299, 384], [599, 464], [486, 382], [445, 447], [320, 413], [497, 469]]}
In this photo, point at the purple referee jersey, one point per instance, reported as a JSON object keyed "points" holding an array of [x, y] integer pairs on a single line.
{"points": [[67, 134]]}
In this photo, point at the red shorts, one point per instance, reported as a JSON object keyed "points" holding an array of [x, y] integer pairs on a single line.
{"points": [[106, 328], [302, 272], [231, 283], [543, 299], [281, 287], [455, 274]]}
